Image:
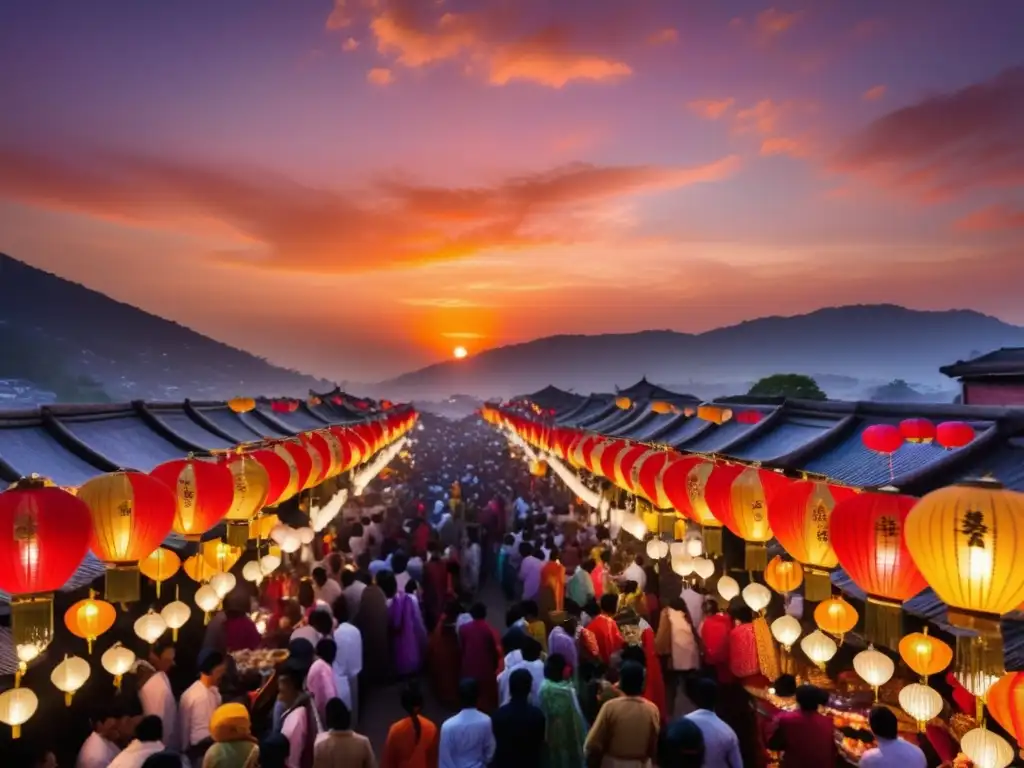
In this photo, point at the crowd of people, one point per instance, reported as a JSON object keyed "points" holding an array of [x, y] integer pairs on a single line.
{"points": [[599, 658]]}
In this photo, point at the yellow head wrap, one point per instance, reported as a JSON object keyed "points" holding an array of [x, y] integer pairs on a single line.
{"points": [[230, 722]]}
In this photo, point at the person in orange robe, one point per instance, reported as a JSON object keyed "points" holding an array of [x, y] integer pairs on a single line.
{"points": [[553, 575], [413, 741], [606, 631]]}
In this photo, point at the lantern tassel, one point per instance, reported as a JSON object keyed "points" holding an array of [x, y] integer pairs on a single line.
{"points": [[32, 620], [712, 539], [817, 585], [68, 696], [755, 556], [15, 731], [122, 584], [882, 622]]}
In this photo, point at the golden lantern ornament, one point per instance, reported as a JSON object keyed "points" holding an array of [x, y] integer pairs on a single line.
{"points": [[69, 676], [836, 617], [17, 706], [207, 600], [198, 569], [90, 618], [252, 485], [784, 576], [219, 555], [160, 566], [118, 661], [242, 404], [925, 654]]}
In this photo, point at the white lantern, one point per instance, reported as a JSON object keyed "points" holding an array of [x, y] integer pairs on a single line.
{"points": [[150, 627], [819, 648], [756, 596], [657, 549], [874, 667], [683, 565], [703, 567], [728, 588], [678, 549], [633, 525], [269, 564], [27, 653], [223, 583], [290, 542], [279, 532], [69, 676], [17, 705], [786, 630], [176, 615], [117, 660], [694, 547], [253, 571], [921, 702], [207, 600], [985, 749], [306, 535]]}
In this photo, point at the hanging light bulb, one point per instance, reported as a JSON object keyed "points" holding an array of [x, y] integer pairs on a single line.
{"points": [[223, 583], [756, 596], [819, 648], [150, 627], [69, 676], [269, 564], [985, 749], [874, 667], [207, 600], [786, 630], [921, 703], [117, 660], [252, 571], [176, 615], [17, 705], [728, 588]]}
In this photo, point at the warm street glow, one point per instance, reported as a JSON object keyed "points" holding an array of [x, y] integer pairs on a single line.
{"points": [[459, 352]]}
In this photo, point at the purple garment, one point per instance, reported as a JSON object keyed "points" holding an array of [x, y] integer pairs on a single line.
{"points": [[560, 642], [408, 635]]}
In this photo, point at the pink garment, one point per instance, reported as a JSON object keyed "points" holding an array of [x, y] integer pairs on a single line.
{"points": [[321, 687], [240, 634]]}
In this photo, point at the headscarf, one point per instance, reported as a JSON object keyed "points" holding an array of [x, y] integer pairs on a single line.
{"points": [[230, 722]]}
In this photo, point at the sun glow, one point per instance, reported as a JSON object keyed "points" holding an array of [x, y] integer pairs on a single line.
{"points": [[459, 353]]}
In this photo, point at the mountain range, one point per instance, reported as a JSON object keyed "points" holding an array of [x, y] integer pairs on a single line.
{"points": [[80, 345], [867, 345]]}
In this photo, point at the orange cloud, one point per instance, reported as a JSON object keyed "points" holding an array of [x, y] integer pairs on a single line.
{"points": [[995, 218], [762, 118], [774, 22], [339, 17], [664, 36], [380, 76], [783, 145], [350, 44], [874, 94], [281, 224], [544, 59], [711, 109]]}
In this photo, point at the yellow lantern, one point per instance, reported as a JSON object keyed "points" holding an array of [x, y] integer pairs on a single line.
{"points": [[836, 617], [260, 527], [784, 576], [118, 661], [207, 600], [251, 487], [220, 556], [713, 413], [17, 706], [161, 565], [874, 668], [661, 407], [819, 648], [90, 618], [69, 676], [925, 654], [921, 703], [198, 569], [242, 404], [623, 403]]}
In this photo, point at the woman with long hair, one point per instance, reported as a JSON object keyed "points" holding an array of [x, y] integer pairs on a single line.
{"points": [[413, 741], [567, 730]]}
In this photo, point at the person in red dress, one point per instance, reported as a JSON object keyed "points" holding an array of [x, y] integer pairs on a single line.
{"points": [[606, 631], [482, 659], [805, 736], [714, 636]]}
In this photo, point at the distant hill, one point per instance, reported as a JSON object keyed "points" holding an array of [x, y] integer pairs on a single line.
{"points": [[86, 347], [878, 342]]}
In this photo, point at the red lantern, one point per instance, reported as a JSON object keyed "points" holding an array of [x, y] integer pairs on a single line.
{"points": [[748, 417], [647, 478], [954, 434], [282, 476], [917, 430], [587, 451], [867, 533], [47, 537], [319, 458], [625, 462], [203, 490], [799, 512], [300, 458], [685, 481], [882, 438], [739, 497], [610, 455]]}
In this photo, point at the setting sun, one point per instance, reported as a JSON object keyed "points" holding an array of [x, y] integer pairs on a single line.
{"points": [[459, 352]]}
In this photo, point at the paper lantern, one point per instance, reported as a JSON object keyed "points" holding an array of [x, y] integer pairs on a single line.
{"points": [[786, 630], [176, 616], [260, 527], [118, 661], [251, 487], [242, 404], [198, 568], [282, 475], [683, 565], [90, 618], [819, 648], [756, 596], [609, 458], [131, 514], [921, 703], [46, 537], [967, 541], [623, 403], [713, 413], [223, 583], [300, 458], [874, 668], [799, 513], [919, 431], [624, 462], [835, 616], [882, 438], [868, 533], [739, 497], [159, 566], [17, 705], [784, 576], [252, 571], [985, 749], [207, 600], [269, 564], [69, 676], [632, 524], [728, 588], [694, 547], [657, 549], [150, 627], [204, 490], [221, 556], [925, 654], [538, 468], [703, 567], [685, 482], [748, 417], [1005, 702], [954, 434], [661, 407], [319, 456], [689, 412], [678, 549]]}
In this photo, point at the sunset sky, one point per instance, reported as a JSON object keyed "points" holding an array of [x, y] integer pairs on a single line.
{"points": [[356, 189]]}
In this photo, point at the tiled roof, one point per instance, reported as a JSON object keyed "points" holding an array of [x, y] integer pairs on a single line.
{"points": [[1008, 360]]}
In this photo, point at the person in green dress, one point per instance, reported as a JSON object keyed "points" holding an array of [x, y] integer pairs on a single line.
{"points": [[566, 728]]}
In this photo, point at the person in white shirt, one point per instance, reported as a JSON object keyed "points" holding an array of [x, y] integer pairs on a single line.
{"points": [[327, 590], [298, 721], [721, 746], [635, 572], [467, 739], [100, 749], [156, 695], [695, 603], [528, 658], [348, 662], [892, 751], [197, 705], [148, 741]]}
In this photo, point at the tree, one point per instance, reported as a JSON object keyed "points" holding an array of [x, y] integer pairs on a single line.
{"points": [[794, 385]]}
